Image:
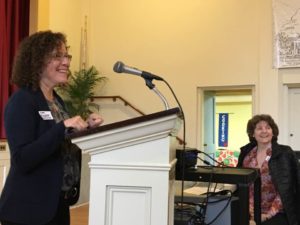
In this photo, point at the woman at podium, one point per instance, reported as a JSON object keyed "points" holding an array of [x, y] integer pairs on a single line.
{"points": [[45, 167], [279, 169]]}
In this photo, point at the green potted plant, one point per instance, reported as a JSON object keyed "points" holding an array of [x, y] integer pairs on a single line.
{"points": [[79, 90]]}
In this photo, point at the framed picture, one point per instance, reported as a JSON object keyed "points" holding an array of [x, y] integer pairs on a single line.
{"points": [[286, 44]]}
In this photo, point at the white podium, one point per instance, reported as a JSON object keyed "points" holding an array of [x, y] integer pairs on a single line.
{"points": [[132, 170]]}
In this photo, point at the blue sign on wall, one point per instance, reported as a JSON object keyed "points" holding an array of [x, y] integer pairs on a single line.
{"points": [[223, 129]]}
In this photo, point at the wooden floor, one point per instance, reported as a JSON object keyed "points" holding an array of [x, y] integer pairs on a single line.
{"points": [[79, 215]]}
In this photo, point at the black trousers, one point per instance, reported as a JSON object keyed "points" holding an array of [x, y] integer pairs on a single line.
{"points": [[278, 219], [62, 216]]}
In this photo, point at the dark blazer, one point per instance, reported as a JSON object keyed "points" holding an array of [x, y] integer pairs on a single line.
{"points": [[34, 181], [285, 172]]}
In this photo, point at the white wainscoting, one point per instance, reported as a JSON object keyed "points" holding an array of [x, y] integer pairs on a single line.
{"points": [[4, 164]]}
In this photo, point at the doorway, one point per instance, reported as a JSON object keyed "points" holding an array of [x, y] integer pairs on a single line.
{"points": [[224, 120], [293, 118]]}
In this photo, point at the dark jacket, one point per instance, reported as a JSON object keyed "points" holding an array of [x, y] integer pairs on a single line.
{"points": [[285, 172], [34, 181]]}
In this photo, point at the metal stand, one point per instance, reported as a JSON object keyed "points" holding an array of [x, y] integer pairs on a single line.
{"points": [[152, 87]]}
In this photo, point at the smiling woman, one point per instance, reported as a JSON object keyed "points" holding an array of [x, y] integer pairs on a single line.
{"points": [[44, 162], [279, 170]]}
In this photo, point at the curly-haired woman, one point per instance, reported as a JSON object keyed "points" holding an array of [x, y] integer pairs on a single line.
{"points": [[45, 167]]}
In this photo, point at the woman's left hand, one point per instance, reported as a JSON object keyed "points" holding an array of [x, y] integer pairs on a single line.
{"points": [[94, 120]]}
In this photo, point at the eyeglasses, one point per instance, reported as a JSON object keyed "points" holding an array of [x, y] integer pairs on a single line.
{"points": [[60, 56]]}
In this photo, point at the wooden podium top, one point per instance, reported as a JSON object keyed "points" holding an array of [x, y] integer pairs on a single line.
{"points": [[124, 123]]}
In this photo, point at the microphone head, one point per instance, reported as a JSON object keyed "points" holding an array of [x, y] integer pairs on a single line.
{"points": [[119, 67]]}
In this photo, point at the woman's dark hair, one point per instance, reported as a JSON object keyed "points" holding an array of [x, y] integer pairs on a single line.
{"points": [[255, 120], [33, 55]]}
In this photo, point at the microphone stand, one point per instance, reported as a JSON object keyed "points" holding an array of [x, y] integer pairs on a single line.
{"points": [[152, 87]]}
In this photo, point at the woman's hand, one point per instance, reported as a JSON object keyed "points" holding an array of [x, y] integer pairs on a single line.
{"points": [[94, 120], [76, 123], [264, 217]]}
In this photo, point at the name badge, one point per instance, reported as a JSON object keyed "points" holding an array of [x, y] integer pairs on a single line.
{"points": [[46, 115]]}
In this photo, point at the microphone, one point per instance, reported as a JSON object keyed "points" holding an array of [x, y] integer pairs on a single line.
{"points": [[120, 67]]}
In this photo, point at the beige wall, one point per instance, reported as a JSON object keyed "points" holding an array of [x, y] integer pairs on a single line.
{"points": [[190, 43]]}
